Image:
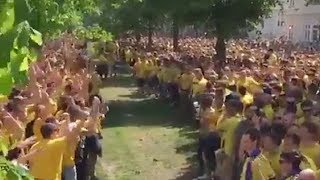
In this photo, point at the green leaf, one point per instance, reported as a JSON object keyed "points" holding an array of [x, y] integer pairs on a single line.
{"points": [[24, 66], [6, 81], [6, 16], [36, 36]]}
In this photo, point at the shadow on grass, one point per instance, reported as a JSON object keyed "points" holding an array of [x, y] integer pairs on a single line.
{"points": [[138, 111]]}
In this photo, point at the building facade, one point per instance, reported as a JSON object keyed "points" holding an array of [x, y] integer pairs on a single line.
{"points": [[295, 20]]}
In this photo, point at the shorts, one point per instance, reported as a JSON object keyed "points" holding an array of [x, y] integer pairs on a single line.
{"points": [[140, 82]]}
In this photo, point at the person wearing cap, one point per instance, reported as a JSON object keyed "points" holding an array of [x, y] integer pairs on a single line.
{"points": [[256, 165], [290, 165]]}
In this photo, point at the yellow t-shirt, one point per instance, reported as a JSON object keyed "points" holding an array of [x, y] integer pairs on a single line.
{"points": [[37, 128], [186, 81], [247, 99], [148, 69], [140, 68], [172, 74], [269, 112], [211, 116], [312, 151], [273, 158], [227, 127], [199, 87], [68, 156], [252, 85], [314, 119], [261, 169], [308, 163], [299, 112], [47, 163], [273, 60]]}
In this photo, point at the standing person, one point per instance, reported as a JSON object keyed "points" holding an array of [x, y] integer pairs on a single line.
{"points": [[227, 125], [209, 140], [256, 165], [309, 145], [290, 165], [271, 150], [185, 84], [139, 72]]}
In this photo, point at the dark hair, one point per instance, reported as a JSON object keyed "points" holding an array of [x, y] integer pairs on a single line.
{"points": [[51, 120], [207, 101], [294, 138], [313, 88], [47, 130], [306, 103], [275, 138], [294, 158], [312, 128], [14, 92], [91, 99], [279, 129], [254, 134]]}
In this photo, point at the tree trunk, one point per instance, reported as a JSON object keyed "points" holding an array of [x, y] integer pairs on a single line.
{"points": [[150, 33], [220, 48], [175, 34]]}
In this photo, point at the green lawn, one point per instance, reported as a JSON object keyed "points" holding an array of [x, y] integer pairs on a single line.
{"points": [[144, 138]]}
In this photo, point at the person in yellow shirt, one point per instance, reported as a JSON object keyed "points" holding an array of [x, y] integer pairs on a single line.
{"points": [[173, 74], [247, 98], [139, 72], [209, 139], [185, 84], [291, 142], [46, 162], [256, 165], [271, 150], [307, 108], [272, 58], [41, 115], [290, 165], [309, 145], [199, 83], [227, 127]]}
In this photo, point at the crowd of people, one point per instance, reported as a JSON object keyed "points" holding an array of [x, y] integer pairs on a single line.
{"points": [[259, 113], [51, 127], [258, 116]]}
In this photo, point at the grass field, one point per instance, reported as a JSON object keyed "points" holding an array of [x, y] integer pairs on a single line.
{"points": [[144, 139]]}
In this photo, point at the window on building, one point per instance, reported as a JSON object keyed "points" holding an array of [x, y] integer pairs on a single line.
{"points": [[290, 32], [315, 33], [291, 3], [314, 2], [307, 32]]}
